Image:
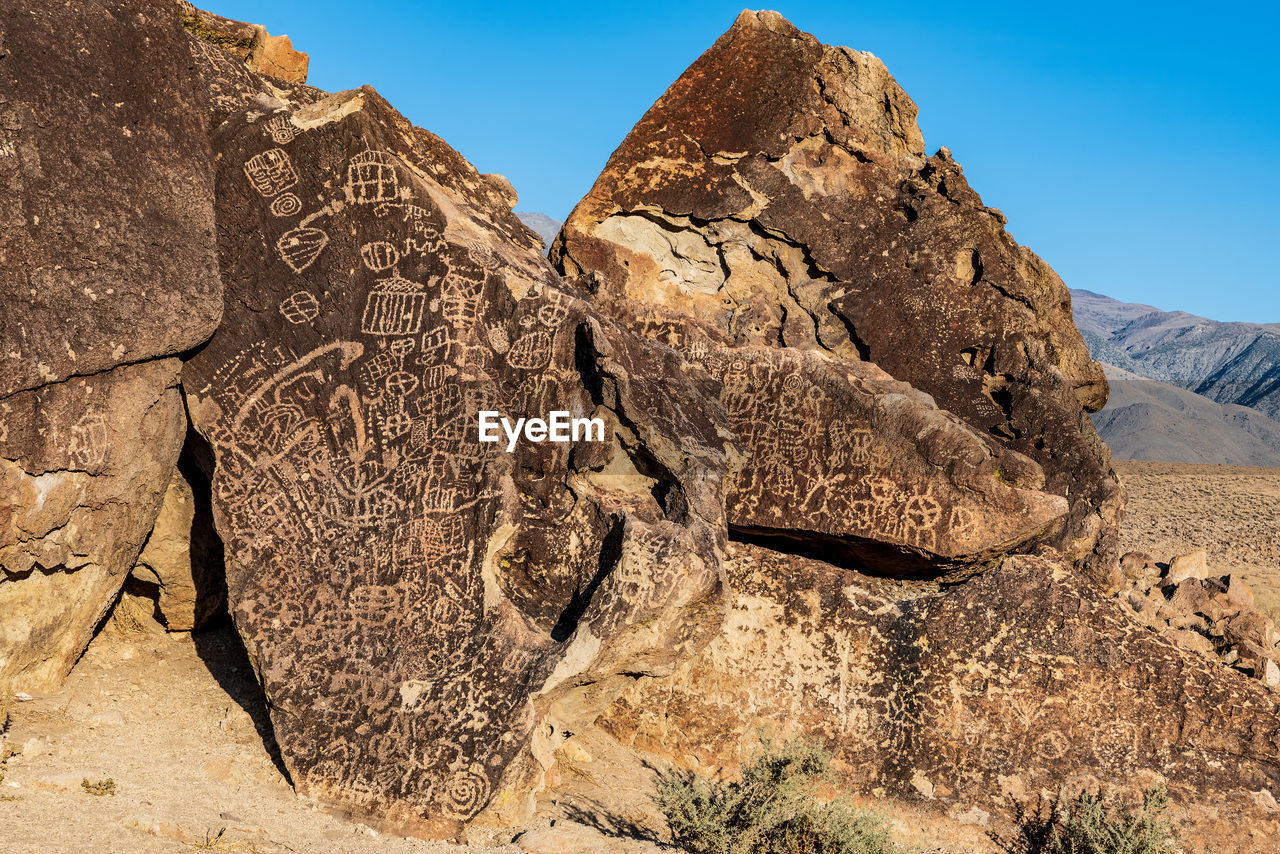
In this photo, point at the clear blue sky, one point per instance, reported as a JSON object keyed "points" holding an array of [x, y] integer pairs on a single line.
{"points": [[1134, 146]]}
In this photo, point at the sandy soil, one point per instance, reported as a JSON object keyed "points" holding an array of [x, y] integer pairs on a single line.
{"points": [[174, 722], [1233, 511]]}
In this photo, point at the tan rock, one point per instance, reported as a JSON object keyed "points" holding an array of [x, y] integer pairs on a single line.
{"points": [[1140, 569], [251, 44], [1254, 628], [1015, 681], [275, 57], [1191, 639], [1189, 597], [1192, 565], [180, 561], [1270, 674], [1239, 593], [82, 468]]}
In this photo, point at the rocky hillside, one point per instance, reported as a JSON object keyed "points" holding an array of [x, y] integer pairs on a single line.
{"points": [[1145, 419], [830, 470], [1235, 363]]}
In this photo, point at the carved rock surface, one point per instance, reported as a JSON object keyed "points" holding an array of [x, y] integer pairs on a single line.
{"points": [[992, 692], [107, 269], [83, 465], [844, 461], [780, 192], [429, 613]]}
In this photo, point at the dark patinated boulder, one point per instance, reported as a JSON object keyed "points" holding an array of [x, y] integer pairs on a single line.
{"points": [[107, 272], [844, 461], [780, 192], [428, 612]]}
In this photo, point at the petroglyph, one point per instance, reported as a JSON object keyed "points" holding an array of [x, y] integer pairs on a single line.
{"points": [[300, 307], [271, 172], [404, 585], [301, 246], [280, 128], [286, 204]]}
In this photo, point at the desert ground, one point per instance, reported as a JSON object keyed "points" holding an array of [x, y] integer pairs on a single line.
{"points": [[178, 724], [1232, 511]]}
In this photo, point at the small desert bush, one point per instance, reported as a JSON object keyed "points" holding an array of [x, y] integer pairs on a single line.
{"points": [[1087, 825], [99, 787], [773, 809]]}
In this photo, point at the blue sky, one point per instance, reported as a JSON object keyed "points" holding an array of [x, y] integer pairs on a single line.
{"points": [[1133, 146]]}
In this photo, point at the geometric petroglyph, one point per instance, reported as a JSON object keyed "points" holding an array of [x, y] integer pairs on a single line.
{"points": [[532, 350], [286, 204], [396, 306], [86, 442], [300, 307], [379, 256], [300, 247], [371, 178], [271, 172]]}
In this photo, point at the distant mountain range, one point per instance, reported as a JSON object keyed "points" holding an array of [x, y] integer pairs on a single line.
{"points": [[1184, 388], [1226, 362], [542, 225], [1149, 420]]}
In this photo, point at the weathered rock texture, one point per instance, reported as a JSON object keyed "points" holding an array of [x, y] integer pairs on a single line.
{"points": [[1206, 611], [428, 612], [842, 460], [780, 191], [259, 51], [995, 691], [82, 468], [108, 230], [181, 563], [107, 264]]}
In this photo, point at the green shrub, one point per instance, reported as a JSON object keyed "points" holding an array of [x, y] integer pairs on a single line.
{"points": [[771, 810], [100, 787], [1086, 825]]}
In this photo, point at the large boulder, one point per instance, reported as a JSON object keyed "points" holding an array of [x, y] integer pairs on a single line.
{"points": [[780, 192], [844, 461], [107, 270], [83, 465], [995, 692], [430, 613]]}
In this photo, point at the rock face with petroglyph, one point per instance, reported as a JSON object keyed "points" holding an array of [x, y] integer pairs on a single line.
{"points": [[841, 459], [429, 612], [780, 192], [107, 270], [991, 692]]}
